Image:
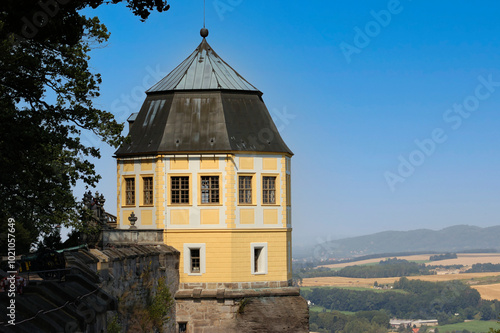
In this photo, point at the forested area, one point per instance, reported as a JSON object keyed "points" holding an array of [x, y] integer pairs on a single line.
{"points": [[335, 321], [386, 268], [488, 267], [449, 302], [443, 256]]}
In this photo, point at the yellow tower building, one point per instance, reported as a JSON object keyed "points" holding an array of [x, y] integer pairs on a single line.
{"points": [[206, 164]]}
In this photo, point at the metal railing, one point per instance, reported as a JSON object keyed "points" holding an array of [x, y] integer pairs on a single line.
{"points": [[47, 275]]}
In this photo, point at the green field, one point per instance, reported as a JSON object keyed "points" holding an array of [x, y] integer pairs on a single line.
{"points": [[357, 289], [317, 308], [421, 261], [477, 326], [485, 280]]}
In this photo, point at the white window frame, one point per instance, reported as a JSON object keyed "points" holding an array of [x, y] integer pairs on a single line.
{"points": [[262, 258], [187, 257]]}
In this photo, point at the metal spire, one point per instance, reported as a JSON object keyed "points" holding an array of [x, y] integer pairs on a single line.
{"points": [[204, 31]]}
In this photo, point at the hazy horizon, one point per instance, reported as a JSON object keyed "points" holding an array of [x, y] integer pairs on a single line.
{"points": [[391, 107]]}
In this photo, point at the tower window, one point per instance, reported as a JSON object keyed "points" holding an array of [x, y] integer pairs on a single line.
{"points": [[195, 260], [245, 189], [130, 191], [209, 189], [182, 327], [259, 258], [179, 192], [269, 189], [147, 183]]}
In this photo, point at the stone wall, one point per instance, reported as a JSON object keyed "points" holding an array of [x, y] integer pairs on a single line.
{"points": [[130, 274], [131, 236], [236, 285], [252, 310]]}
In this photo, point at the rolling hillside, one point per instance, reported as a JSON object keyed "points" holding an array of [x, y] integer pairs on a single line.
{"points": [[452, 239]]}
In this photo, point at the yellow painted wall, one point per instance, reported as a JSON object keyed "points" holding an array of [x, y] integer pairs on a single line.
{"points": [[209, 216], [209, 162], [179, 216], [230, 192], [269, 163], [179, 163], [159, 192], [146, 217], [228, 254], [247, 216], [228, 251], [246, 163], [126, 214], [284, 190], [146, 165], [270, 216], [128, 166]]}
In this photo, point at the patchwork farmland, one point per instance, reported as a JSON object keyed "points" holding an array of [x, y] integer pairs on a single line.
{"points": [[487, 284]]}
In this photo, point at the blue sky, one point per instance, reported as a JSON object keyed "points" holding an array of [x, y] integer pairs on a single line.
{"points": [[391, 107]]}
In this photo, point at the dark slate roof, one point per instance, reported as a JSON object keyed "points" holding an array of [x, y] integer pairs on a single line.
{"points": [[203, 121], [203, 105], [203, 69]]}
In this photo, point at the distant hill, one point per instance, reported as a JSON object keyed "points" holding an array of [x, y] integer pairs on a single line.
{"points": [[452, 239]]}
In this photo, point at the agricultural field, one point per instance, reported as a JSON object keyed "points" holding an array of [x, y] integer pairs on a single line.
{"points": [[489, 291], [355, 288], [318, 308], [488, 284], [466, 259], [337, 281], [418, 258], [477, 326]]}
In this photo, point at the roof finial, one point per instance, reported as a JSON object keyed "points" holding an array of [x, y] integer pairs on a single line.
{"points": [[204, 31]]}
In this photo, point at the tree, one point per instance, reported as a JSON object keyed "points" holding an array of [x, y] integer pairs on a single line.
{"points": [[46, 103], [492, 330], [52, 240]]}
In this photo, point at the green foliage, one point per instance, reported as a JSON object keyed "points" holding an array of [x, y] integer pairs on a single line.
{"points": [[154, 314], [114, 326], [241, 305], [487, 267], [160, 305], [421, 300], [443, 256], [492, 330], [385, 268], [52, 240], [336, 321], [477, 326], [47, 94]]}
